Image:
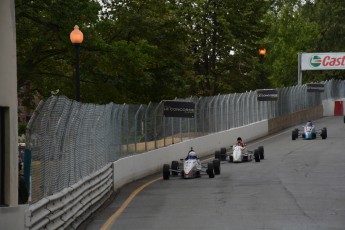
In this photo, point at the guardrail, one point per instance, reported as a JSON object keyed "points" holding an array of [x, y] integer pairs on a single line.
{"points": [[73, 205]]}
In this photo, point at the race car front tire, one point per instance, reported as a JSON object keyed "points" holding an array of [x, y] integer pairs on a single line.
{"points": [[210, 170], [293, 135], [324, 133], [313, 135], [222, 154], [261, 152], [217, 154], [166, 172], [256, 155], [231, 159], [216, 166]]}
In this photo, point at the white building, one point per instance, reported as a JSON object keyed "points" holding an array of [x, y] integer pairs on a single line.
{"points": [[11, 214]]}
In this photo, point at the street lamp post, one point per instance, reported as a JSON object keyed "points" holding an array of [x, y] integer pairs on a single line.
{"points": [[262, 53], [77, 37]]}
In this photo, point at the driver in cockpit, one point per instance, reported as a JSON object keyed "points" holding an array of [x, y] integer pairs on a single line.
{"points": [[191, 154]]}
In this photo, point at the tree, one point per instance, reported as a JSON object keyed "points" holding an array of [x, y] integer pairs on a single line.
{"points": [[223, 42], [291, 32], [44, 51], [158, 64], [328, 15]]}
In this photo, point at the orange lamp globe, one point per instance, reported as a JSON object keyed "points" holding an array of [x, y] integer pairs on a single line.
{"points": [[76, 35], [262, 52]]}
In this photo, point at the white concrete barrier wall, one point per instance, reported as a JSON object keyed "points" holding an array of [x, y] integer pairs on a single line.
{"points": [[328, 106], [134, 167]]}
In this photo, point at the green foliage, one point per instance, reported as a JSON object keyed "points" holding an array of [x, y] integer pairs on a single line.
{"points": [[140, 51], [21, 129], [303, 26], [223, 43]]}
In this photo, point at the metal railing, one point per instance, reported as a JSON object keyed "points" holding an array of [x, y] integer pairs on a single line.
{"points": [[69, 208]]}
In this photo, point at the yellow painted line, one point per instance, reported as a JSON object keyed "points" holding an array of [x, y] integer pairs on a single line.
{"points": [[112, 219]]}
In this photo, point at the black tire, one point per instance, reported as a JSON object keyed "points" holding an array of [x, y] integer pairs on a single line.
{"points": [[174, 166], [216, 166], [166, 172], [256, 155], [261, 152], [217, 154], [222, 154], [231, 159], [313, 136], [323, 133], [293, 135], [210, 170]]}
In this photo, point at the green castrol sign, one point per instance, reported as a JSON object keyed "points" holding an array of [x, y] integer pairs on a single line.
{"points": [[322, 61]]}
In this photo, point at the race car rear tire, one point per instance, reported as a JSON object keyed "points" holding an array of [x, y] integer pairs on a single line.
{"points": [[217, 154], [216, 166], [222, 154], [256, 155], [166, 172], [174, 166], [261, 152], [210, 170]]}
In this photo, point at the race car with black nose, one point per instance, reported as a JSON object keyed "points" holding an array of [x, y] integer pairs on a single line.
{"points": [[309, 132], [191, 167]]}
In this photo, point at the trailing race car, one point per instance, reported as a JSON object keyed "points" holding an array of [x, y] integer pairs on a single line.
{"points": [[309, 132], [240, 153], [191, 167]]}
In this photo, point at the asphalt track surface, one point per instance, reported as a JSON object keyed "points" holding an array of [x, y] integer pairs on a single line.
{"points": [[299, 185]]}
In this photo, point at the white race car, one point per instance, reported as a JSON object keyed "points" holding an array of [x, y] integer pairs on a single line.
{"points": [[191, 167], [240, 153]]}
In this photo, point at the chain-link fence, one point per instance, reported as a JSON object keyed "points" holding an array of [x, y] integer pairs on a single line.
{"points": [[70, 140]]}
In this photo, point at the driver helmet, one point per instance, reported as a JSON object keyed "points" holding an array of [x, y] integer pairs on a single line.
{"points": [[239, 139], [309, 123], [192, 153]]}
